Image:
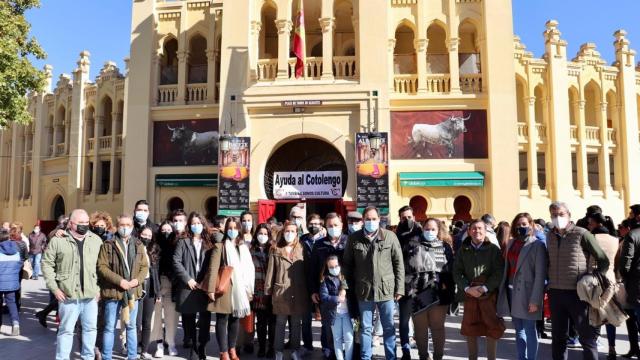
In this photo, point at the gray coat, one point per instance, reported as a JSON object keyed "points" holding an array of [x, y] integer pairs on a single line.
{"points": [[528, 282]]}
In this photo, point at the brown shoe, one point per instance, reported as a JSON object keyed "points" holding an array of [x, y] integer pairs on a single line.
{"points": [[224, 356], [233, 355]]}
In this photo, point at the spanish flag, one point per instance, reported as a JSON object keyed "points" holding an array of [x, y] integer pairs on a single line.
{"points": [[299, 48]]}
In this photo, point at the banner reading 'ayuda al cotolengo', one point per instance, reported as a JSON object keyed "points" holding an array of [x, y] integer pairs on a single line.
{"points": [[307, 185]]}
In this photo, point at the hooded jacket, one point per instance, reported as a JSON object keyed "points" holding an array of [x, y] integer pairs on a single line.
{"points": [[10, 266]]}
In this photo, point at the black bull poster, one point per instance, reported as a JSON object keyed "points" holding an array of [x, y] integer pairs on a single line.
{"points": [[372, 173], [233, 168]]}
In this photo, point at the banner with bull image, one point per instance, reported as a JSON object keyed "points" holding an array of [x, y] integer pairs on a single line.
{"points": [[372, 173], [185, 142], [441, 134], [233, 168]]}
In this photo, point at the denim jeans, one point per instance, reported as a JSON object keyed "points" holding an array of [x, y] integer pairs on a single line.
{"points": [[386, 310], [405, 310], [35, 264], [111, 314], [10, 299], [342, 330], [526, 338], [69, 311]]}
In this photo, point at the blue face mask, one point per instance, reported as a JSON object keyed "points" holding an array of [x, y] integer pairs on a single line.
{"points": [[334, 271], [371, 225], [430, 235], [523, 230], [124, 231], [334, 232], [354, 227], [196, 229], [232, 234]]}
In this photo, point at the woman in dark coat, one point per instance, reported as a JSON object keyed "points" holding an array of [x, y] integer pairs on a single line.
{"points": [[190, 262]]}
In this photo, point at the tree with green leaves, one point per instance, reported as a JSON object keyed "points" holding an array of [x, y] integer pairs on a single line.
{"points": [[18, 76]]}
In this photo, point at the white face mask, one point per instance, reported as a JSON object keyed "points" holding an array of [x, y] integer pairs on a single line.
{"points": [[36, 231], [289, 237], [246, 225], [262, 239], [179, 225], [560, 222]]}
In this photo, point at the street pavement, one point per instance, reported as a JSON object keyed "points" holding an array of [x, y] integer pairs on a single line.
{"points": [[36, 342]]}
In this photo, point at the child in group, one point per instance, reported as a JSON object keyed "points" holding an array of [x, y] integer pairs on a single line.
{"points": [[335, 309]]}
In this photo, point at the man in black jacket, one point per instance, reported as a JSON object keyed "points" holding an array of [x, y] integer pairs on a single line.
{"points": [[630, 260], [141, 218], [408, 229]]}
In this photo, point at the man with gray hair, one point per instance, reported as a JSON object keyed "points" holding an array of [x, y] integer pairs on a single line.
{"points": [[69, 267], [491, 223], [570, 249]]}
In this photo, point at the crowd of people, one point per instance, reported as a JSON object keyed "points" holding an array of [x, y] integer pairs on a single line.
{"points": [[353, 274]]}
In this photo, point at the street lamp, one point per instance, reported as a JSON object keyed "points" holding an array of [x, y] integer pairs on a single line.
{"points": [[225, 142], [375, 139]]}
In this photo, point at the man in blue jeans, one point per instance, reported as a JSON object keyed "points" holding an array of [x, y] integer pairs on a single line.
{"points": [[122, 268], [37, 243], [69, 268], [373, 266]]}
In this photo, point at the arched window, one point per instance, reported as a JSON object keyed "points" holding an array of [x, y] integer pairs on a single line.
{"points": [[169, 62], [268, 43], [469, 51], [174, 204], [57, 207], [197, 60], [107, 117], [573, 106], [211, 208], [343, 33], [419, 205], [90, 122], [437, 52], [404, 53], [540, 105], [592, 104], [60, 125], [462, 208]]}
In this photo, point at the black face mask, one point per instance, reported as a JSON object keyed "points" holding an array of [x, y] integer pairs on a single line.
{"points": [[82, 229], [166, 235], [99, 230], [314, 229], [145, 241], [410, 223]]}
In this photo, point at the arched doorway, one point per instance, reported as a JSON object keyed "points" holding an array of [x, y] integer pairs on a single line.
{"points": [[57, 207], [419, 205], [175, 203], [305, 154], [211, 208], [462, 208]]}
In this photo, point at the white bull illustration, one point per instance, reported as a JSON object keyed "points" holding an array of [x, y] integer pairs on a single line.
{"points": [[444, 133]]}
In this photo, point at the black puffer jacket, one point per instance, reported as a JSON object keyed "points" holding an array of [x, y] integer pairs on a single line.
{"points": [[428, 263], [630, 265]]}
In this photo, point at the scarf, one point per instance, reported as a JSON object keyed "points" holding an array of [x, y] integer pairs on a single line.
{"points": [[242, 278], [128, 297]]}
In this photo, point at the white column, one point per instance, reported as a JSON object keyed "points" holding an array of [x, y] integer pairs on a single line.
{"points": [[454, 65], [327, 25], [420, 46], [605, 166], [183, 57], [391, 45], [581, 152], [532, 146], [256, 26], [284, 32], [356, 34]]}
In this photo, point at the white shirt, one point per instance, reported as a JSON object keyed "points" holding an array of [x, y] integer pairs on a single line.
{"points": [[197, 243]]}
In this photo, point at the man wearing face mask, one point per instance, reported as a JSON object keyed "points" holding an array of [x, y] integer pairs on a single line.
{"points": [[354, 222], [141, 218], [69, 268], [37, 243], [122, 268], [407, 231], [316, 230], [179, 222], [331, 245], [296, 215], [373, 265], [571, 248]]}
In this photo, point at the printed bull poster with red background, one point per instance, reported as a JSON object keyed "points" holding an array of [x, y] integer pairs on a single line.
{"points": [[441, 134], [372, 173], [233, 168]]}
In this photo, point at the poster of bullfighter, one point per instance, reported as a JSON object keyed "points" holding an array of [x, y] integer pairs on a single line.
{"points": [[440, 134], [185, 142]]}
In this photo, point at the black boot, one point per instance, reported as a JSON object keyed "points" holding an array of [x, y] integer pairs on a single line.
{"points": [[202, 352], [261, 350], [42, 318], [193, 354], [406, 355], [631, 353]]}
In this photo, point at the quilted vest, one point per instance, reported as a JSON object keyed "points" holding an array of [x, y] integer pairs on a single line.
{"points": [[567, 259]]}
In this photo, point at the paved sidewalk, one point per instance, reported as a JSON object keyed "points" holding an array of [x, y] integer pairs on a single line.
{"points": [[37, 342]]}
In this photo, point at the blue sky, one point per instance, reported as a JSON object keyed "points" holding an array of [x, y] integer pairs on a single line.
{"points": [[66, 27]]}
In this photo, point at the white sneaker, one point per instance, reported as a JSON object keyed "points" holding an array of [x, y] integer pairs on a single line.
{"points": [[173, 351], [375, 342], [146, 356], [159, 351], [278, 355]]}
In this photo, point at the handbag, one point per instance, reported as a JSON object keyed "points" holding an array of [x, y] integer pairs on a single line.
{"points": [[247, 323], [224, 275], [27, 271]]}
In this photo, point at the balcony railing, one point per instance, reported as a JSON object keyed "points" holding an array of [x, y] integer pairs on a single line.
{"points": [[471, 83], [196, 93], [104, 143], [313, 67], [592, 135], [573, 134], [119, 142], [91, 145], [405, 83], [541, 129], [50, 150], [167, 94], [59, 149], [344, 67], [438, 83], [403, 2], [611, 136], [523, 133], [267, 69]]}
